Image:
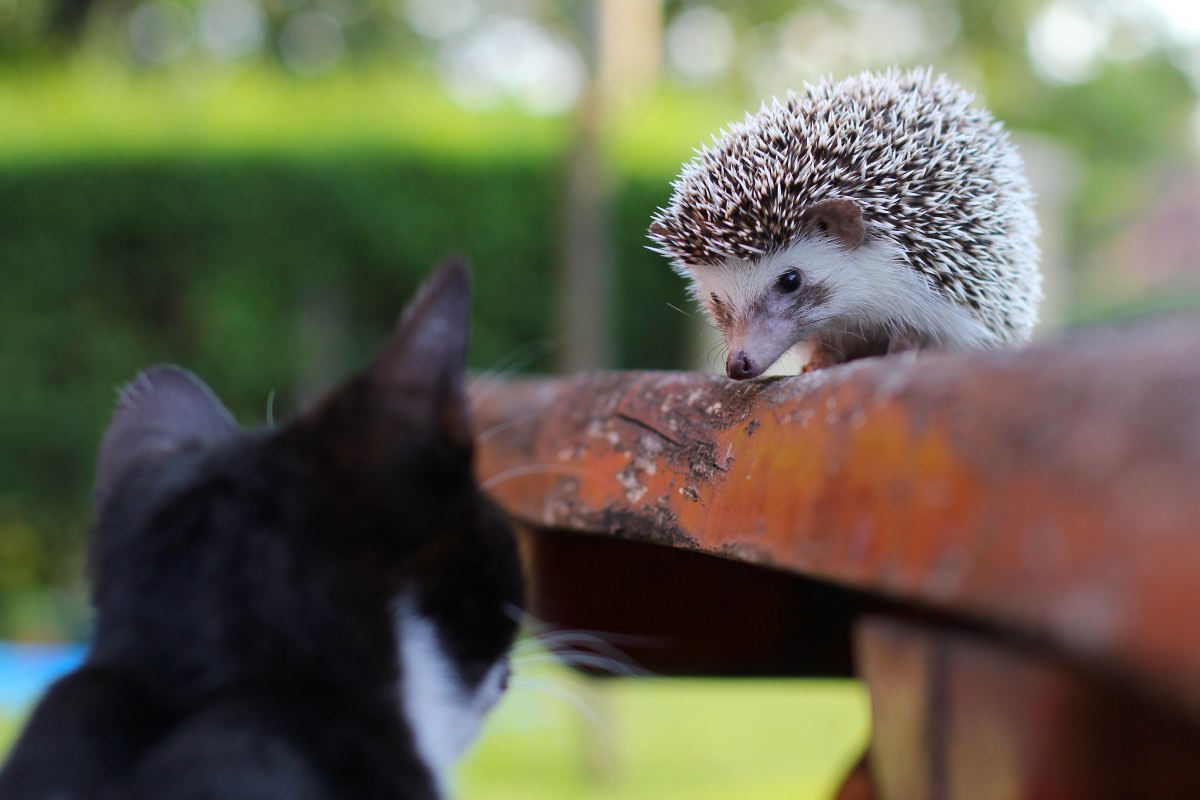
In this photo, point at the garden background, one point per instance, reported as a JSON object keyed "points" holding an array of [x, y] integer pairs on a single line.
{"points": [[252, 188]]}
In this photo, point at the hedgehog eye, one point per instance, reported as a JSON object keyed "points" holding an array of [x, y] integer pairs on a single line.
{"points": [[788, 282]]}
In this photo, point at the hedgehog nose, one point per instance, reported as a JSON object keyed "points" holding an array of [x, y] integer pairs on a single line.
{"points": [[740, 366]]}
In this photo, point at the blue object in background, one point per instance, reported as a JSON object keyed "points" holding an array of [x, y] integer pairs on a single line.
{"points": [[27, 669]]}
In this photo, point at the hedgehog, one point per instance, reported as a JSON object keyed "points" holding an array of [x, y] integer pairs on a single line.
{"points": [[880, 214]]}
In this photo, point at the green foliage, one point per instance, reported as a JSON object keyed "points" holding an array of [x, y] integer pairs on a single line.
{"points": [[263, 232], [262, 275], [90, 107]]}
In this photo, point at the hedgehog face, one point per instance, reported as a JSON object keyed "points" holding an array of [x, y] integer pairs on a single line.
{"points": [[860, 298], [765, 306]]}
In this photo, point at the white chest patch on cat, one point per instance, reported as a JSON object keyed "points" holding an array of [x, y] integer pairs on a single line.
{"points": [[444, 714]]}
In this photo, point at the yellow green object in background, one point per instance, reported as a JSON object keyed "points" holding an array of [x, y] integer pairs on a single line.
{"points": [[670, 740]]}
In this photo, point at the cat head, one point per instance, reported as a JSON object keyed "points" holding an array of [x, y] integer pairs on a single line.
{"points": [[364, 505]]}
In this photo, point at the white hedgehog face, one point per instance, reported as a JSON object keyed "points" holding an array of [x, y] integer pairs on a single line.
{"points": [[860, 293], [766, 306]]}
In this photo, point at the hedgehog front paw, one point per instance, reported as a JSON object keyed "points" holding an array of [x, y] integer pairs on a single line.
{"points": [[822, 354]]}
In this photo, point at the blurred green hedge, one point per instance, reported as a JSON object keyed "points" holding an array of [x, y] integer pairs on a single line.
{"points": [[261, 274]]}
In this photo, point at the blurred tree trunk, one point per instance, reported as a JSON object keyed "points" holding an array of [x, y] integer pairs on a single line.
{"points": [[622, 43], [585, 280]]}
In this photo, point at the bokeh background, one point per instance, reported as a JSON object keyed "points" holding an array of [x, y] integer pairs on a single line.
{"points": [[251, 188]]}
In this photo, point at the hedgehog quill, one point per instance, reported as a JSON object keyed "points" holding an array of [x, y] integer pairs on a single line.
{"points": [[879, 214]]}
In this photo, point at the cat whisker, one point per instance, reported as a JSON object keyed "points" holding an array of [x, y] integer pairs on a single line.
{"points": [[583, 659], [516, 358], [578, 648], [501, 427], [597, 639], [529, 469], [570, 698], [488, 382], [544, 632], [600, 656]]}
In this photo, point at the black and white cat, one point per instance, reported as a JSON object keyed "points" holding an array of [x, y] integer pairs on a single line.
{"points": [[319, 610]]}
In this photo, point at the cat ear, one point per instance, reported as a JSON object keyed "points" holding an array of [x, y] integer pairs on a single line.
{"points": [[161, 411], [425, 359]]}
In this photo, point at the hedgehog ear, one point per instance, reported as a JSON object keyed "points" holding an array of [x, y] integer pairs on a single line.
{"points": [[840, 218]]}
